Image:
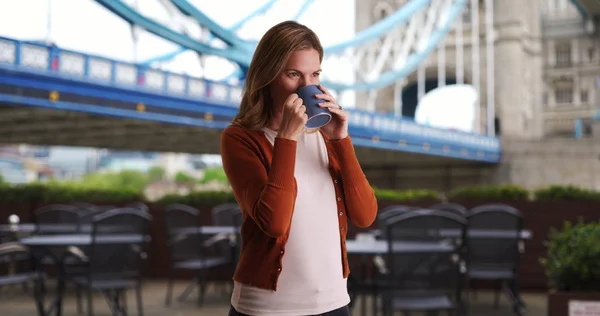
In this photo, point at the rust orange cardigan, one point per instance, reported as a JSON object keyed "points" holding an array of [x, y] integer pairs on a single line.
{"points": [[262, 178]]}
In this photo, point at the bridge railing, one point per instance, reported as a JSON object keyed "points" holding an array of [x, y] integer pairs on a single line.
{"points": [[76, 65], [49, 59]]}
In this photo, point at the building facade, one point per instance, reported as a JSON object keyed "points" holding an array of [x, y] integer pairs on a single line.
{"points": [[546, 72], [543, 82], [571, 69]]}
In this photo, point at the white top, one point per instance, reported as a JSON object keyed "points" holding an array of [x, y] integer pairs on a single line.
{"points": [[311, 280]]}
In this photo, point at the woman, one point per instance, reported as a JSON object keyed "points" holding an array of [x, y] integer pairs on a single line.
{"points": [[296, 188]]}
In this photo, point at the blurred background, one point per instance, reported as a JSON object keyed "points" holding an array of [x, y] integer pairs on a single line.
{"points": [[104, 103]]}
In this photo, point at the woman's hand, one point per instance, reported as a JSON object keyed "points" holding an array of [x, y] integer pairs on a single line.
{"points": [[338, 127], [294, 118]]}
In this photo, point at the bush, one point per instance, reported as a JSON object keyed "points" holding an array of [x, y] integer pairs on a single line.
{"points": [[409, 195], [214, 175], [573, 261], [566, 193], [500, 193], [126, 179], [199, 198], [128, 186], [184, 178], [66, 193], [208, 198]]}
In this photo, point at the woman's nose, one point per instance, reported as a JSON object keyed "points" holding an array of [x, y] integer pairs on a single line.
{"points": [[303, 82], [309, 80]]}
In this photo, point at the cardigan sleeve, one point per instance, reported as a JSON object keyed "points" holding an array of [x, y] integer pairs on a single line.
{"points": [[361, 204], [267, 198]]}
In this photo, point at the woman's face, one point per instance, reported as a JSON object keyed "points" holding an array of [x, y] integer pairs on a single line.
{"points": [[302, 69]]}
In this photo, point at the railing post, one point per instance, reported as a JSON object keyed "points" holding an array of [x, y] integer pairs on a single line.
{"points": [[140, 76], [165, 82], [86, 66], [186, 85], [113, 72], [17, 53], [53, 53], [207, 88], [229, 91]]}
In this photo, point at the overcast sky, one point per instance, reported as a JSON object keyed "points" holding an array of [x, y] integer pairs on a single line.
{"points": [[84, 25]]}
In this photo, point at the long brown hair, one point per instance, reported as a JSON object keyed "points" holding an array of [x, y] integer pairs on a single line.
{"points": [[270, 57]]}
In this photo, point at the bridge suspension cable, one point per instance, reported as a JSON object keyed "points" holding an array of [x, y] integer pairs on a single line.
{"points": [[381, 56]]}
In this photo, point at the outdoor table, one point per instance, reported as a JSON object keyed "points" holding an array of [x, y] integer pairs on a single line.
{"points": [[65, 241], [207, 230], [29, 228], [473, 233], [378, 247], [371, 246]]}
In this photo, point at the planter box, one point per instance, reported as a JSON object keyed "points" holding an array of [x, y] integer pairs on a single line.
{"points": [[582, 303]]}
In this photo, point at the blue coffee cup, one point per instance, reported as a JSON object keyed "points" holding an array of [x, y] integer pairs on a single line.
{"points": [[317, 116]]}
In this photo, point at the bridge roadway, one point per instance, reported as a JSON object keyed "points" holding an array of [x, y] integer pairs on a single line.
{"points": [[42, 126]]}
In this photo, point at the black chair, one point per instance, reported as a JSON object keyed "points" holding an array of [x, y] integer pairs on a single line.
{"points": [[450, 207], [225, 214], [186, 249], [420, 279], [228, 245], [392, 210], [17, 264], [229, 214], [495, 255], [117, 257], [363, 283], [48, 217], [55, 219], [139, 205], [84, 206]]}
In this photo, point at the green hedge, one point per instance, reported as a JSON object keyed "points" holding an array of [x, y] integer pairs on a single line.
{"points": [[408, 195], [500, 192], [57, 192], [40, 193], [573, 261], [199, 198], [566, 193], [217, 197]]}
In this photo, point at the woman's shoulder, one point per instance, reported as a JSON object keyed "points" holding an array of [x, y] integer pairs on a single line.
{"points": [[236, 139], [238, 130]]}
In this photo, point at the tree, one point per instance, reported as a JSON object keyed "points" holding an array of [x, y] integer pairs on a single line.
{"points": [[183, 178], [156, 173], [126, 179], [216, 174]]}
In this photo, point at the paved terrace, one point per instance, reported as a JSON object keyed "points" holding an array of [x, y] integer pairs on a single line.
{"points": [[14, 302]]}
